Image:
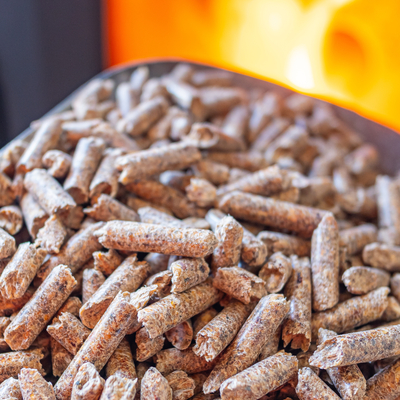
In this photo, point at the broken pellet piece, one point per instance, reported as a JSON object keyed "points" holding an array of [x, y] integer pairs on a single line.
{"points": [[261, 378], [188, 272], [10, 389], [382, 256], [349, 381], [106, 263], [127, 277], [154, 386], [52, 236], [215, 336], [121, 362], [86, 159], [170, 311], [12, 363], [311, 387], [88, 384], [11, 219], [34, 215], [356, 311], [52, 197], [35, 315], [33, 385], [240, 284], [156, 238], [101, 343], [274, 213], [170, 360], [20, 271], [7, 245], [361, 280], [343, 350], [119, 388], [147, 347], [181, 335], [325, 264], [69, 332], [162, 280], [297, 326], [276, 272], [247, 345], [57, 162]]}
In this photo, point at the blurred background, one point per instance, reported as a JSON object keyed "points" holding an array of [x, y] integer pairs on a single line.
{"points": [[344, 51]]}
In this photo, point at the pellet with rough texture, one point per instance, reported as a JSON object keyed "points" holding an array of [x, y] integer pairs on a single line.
{"points": [[12, 363], [101, 343], [380, 255], [261, 378], [166, 197], [229, 234], [349, 381], [34, 215], [248, 160], [10, 390], [150, 215], [385, 385], [395, 285], [392, 311], [361, 280], [163, 282], [39, 310], [170, 360], [274, 213], [240, 284], [106, 263], [147, 347], [286, 244], [108, 209], [154, 386], [214, 172], [91, 282], [276, 272], [119, 388], [57, 163], [105, 179], [202, 319], [297, 327], [11, 219], [10, 306], [60, 357], [69, 332], [134, 236], [20, 271], [158, 262], [170, 311], [271, 346], [214, 337], [188, 272], [325, 264], [349, 314], [8, 190], [86, 159], [45, 138], [7, 244], [358, 347], [181, 384], [88, 384], [247, 345], [310, 387], [52, 197], [4, 322], [127, 277], [76, 252], [181, 335], [33, 385], [121, 362], [149, 162], [202, 192], [356, 238], [52, 236]]}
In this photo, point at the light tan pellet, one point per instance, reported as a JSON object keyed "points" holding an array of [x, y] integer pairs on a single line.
{"points": [[276, 272], [147, 347], [52, 236], [11, 219], [188, 272], [33, 385], [57, 163], [361, 280], [88, 384]]}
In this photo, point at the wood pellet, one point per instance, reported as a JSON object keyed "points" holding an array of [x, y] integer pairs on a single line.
{"points": [[181, 237]]}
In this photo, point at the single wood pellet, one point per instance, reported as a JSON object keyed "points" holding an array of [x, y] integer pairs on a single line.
{"points": [[196, 197]]}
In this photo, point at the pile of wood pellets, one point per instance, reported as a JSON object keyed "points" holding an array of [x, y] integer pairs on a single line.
{"points": [[179, 237]]}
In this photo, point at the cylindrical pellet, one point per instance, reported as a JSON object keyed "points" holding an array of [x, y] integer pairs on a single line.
{"points": [[52, 236], [285, 244], [382, 256], [88, 384], [181, 335], [276, 272], [119, 388], [10, 389], [170, 311], [57, 162], [34, 215], [274, 213], [101, 343], [106, 263], [121, 362], [11, 219], [133, 236], [247, 345], [35, 315], [297, 326], [7, 245], [261, 378], [154, 386], [150, 215], [33, 385], [147, 347], [60, 357], [355, 239], [325, 264], [92, 280], [361, 280], [188, 272], [12, 363]]}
